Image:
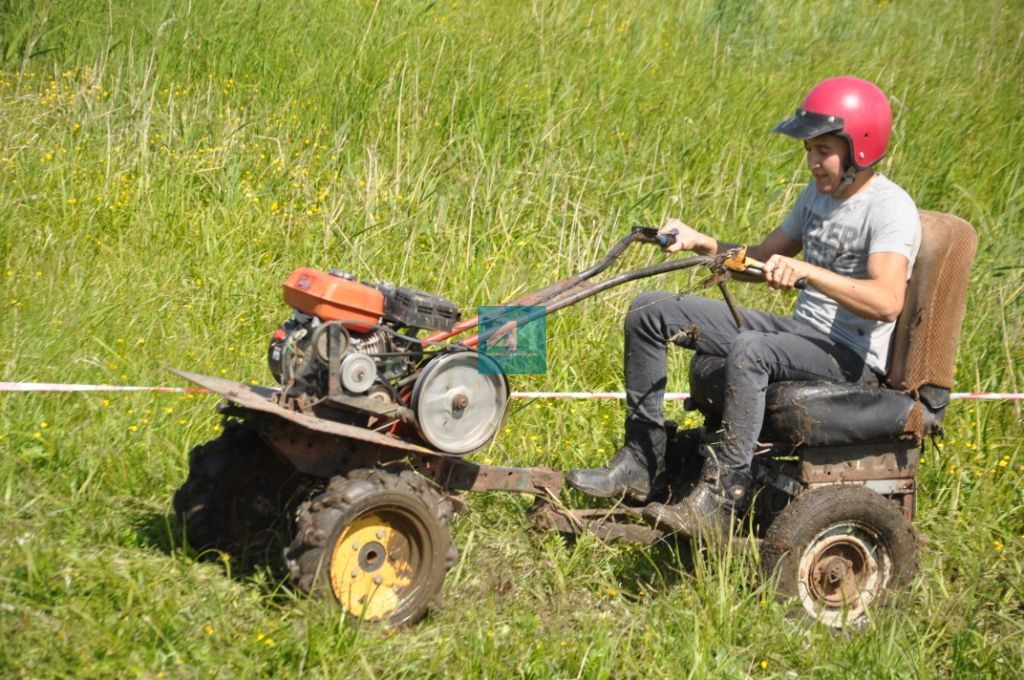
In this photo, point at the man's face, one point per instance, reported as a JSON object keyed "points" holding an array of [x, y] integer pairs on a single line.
{"points": [[827, 155]]}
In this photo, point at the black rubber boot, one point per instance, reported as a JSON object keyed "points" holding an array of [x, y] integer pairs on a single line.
{"points": [[637, 470], [710, 508]]}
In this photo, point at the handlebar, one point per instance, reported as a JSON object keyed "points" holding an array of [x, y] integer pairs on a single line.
{"points": [[734, 260], [578, 287]]}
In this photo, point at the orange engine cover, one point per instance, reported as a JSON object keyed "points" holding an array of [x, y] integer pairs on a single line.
{"points": [[333, 298]]}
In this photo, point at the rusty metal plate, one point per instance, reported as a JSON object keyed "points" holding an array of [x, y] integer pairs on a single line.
{"points": [[857, 464], [540, 481], [257, 399], [321, 454]]}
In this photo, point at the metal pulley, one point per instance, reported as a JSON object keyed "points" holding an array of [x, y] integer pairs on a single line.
{"points": [[320, 341], [459, 408], [358, 373]]}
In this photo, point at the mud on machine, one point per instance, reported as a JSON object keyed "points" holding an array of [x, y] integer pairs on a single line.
{"points": [[358, 459]]}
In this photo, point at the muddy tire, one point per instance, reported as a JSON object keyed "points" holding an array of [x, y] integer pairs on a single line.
{"points": [[377, 543], [238, 496], [840, 551]]}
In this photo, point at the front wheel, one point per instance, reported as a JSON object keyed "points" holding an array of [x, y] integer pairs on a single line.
{"points": [[377, 543], [840, 550]]}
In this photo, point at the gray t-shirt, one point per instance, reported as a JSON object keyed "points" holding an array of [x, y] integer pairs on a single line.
{"points": [[839, 234]]}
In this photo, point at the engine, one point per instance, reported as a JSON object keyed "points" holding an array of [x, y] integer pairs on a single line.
{"points": [[350, 339]]}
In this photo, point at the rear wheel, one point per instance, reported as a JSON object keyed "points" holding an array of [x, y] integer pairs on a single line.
{"points": [[840, 551], [238, 494], [377, 543]]}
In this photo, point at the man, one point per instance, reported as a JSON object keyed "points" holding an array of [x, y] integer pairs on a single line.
{"points": [[859, 233]]}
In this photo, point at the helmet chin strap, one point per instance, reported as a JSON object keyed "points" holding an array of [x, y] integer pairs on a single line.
{"points": [[848, 177]]}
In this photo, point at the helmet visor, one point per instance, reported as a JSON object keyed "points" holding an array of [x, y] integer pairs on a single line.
{"points": [[807, 125]]}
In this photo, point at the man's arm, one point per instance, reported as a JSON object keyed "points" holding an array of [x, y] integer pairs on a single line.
{"points": [[776, 243], [687, 238], [879, 296]]}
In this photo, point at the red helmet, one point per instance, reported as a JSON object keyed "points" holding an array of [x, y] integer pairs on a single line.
{"points": [[852, 108]]}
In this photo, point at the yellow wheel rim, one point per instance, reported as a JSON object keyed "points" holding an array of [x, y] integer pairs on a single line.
{"points": [[374, 564]]}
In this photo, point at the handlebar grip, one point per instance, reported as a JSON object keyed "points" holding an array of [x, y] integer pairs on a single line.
{"points": [[801, 284], [666, 239], [651, 235]]}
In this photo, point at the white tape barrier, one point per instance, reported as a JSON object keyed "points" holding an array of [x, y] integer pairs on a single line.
{"points": [[65, 387], [669, 396], [679, 396]]}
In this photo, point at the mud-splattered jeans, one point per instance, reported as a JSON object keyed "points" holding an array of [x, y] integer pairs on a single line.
{"points": [[767, 349]]}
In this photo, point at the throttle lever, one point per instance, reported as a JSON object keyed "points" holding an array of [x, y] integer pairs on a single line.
{"points": [[736, 260]]}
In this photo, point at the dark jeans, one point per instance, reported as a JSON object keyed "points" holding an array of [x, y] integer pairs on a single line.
{"points": [[767, 349]]}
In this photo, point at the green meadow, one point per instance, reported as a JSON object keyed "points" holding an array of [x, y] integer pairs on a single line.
{"points": [[164, 166]]}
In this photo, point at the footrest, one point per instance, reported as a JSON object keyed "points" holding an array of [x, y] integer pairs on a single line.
{"points": [[608, 524]]}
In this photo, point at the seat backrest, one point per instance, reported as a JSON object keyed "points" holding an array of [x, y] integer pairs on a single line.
{"points": [[926, 334]]}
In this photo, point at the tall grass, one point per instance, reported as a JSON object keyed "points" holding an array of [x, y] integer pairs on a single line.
{"points": [[164, 165]]}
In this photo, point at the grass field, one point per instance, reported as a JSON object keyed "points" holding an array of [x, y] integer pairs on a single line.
{"points": [[164, 165]]}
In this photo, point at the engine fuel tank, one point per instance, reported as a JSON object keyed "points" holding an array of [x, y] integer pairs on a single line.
{"points": [[334, 298]]}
